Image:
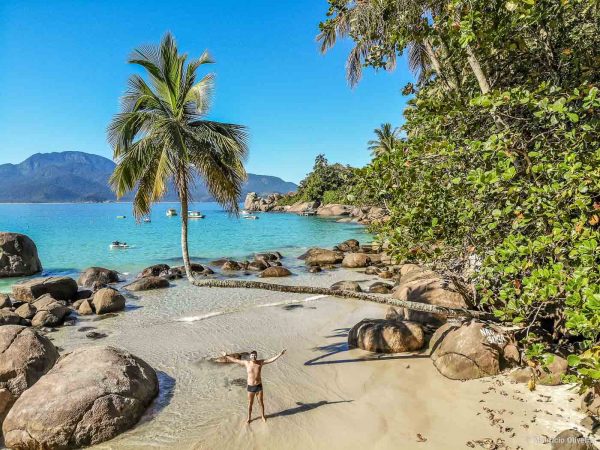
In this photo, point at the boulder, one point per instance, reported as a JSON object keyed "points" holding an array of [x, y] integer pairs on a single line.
{"points": [[424, 286], [354, 260], [26, 311], [93, 277], [60, 288], [276, 271], [571, 440], [153, 271], [231, 266], [108, 300], [315, 269], [18, 256], [90, 395], [386, 336], [393, 314], [386, 274], [380, 287], [321, 256], [350, 245], [5, 301], [82, 294], [26, 356], [470, 350], [48, 312], [372, 270], [8, 317], [257, 265], [148, 283], [548, 376], [268, 256], [300, 207], [86, 308], [346, 286], [334, 209], [590, 402]]}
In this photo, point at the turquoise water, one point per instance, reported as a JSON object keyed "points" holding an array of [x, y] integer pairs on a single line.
{"points": [[71, 237]]}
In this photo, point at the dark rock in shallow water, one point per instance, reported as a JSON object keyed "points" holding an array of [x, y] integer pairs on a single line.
{"points": [[230, 265], [94, 277], [154, 270], [315, 269], [346, 286], [91, 395], [95, 335], [18, 256], [275, 271], [148, 283], [380, 288], [83, 329]]}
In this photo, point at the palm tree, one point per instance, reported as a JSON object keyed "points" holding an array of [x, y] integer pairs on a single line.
{"points": [[162, 137], [387, 139]]}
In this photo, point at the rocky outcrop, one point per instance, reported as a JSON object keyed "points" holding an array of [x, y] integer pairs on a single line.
{"points": [[231, 266], [26, 311], [26, 356], [550, 375], [424, 286], [386, 336], [148, 283], [254, 202], [97, 277], [471, 350], [18, 256], [91, 395], [380, 287], [346, 286], [356, 260], [108, 300], [85, 308], [5, 301], [321, 256], [8, 317], [60, 288], [350, 245], [275, 271]]}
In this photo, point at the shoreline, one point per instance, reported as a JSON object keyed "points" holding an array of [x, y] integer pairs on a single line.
{"points": [[321, 394]]}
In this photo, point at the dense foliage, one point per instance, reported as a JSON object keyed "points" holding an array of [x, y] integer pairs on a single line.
{"points": [[500, 163], [326, 183]]}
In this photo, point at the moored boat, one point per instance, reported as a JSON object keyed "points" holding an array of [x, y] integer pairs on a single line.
{"points": [[195, 215], [171, 212]]}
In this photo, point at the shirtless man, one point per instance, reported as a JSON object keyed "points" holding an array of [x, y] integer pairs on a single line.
{"points": [[253, 369]]}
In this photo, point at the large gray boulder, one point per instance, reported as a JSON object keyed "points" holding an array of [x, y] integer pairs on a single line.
{"points": [[91, 395], [346, 286], [8, 317], [322, 256], [154, 271], [18, 256], [108, 300], [5, 301], [424, 286], [95, 277], [470, 350], [386, 336], [61, 288], [148, 283], [334, 209], [275, 271], [26, 356]]}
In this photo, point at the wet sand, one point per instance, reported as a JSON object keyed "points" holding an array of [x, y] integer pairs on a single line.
{"points": [[319, 395]]}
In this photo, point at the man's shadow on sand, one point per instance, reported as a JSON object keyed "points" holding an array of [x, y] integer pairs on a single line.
{"points": [[301, 408]]}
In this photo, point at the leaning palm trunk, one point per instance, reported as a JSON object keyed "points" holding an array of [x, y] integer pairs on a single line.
{"points": [[184, 238], [482, 80], [414, 306]]}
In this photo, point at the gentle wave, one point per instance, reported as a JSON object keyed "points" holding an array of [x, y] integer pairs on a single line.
{"points": [[189, 319]]}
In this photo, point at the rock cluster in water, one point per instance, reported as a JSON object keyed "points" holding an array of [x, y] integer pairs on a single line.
{"points": [[18, 256]]}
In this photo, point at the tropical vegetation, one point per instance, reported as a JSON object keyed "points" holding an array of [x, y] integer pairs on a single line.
{"points": [[497, 173], [162, 138]]}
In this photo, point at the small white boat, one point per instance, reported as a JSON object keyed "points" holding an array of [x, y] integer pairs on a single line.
{"points": [[147, 220], [245, 212], [195, 215], [171, 212], [121, 217], [119, 245], [251, 217]]}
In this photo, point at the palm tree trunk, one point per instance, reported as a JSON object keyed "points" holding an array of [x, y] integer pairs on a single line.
{"points": [[484, 85], [184, 237], [435, 63], [414, 306]]}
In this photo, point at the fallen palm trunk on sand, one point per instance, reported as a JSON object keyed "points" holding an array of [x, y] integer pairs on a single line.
{"points": [[414, 306]]}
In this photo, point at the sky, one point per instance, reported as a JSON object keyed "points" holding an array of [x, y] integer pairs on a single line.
{"points": [[63, 67]]}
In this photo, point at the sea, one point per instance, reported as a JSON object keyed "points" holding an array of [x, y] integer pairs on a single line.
{"points": [[71, 237]]}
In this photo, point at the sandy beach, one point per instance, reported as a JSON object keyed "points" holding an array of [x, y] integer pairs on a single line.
{"points": [[320, 394]]}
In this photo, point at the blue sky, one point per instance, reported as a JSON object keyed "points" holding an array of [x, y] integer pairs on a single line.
{"points": [[63, 67]]}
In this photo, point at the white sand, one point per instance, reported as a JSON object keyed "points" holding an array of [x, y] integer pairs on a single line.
{"points": [[320, 395]]}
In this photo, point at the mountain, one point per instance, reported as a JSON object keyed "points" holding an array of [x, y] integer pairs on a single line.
{"points": [[83, 177]]}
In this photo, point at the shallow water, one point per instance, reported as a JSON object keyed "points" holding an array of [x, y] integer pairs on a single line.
{"points": [[71, 237]]}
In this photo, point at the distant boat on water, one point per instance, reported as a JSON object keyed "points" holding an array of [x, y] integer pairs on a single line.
{"points": [[121, 217], [195, 215], [118, 245], [171, 212], [251, 217], [147, 220]]}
